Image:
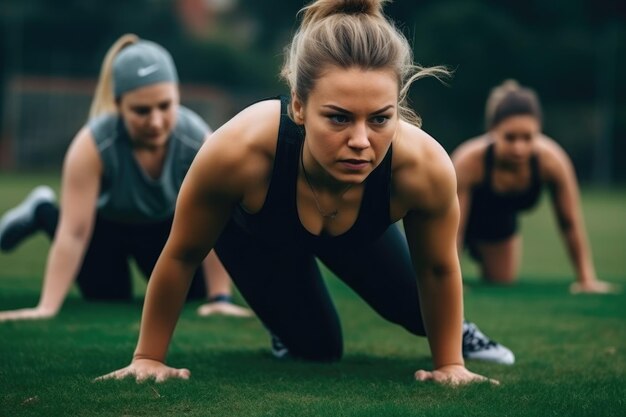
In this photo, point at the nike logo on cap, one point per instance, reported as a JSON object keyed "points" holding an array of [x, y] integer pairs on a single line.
{"points": [[142, 72]]}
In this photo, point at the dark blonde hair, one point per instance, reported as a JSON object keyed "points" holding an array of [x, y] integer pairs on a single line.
{"points": [[511, 99], [351, 33], [104, 99]]}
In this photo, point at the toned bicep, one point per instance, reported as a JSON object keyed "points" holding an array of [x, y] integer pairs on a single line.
{"points": [[432, 238], [203, 208]]}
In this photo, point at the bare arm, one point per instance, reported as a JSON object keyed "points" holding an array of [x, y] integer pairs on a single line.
{"points": [[566, 202], [431, 239], [79, 190], [202, 210], [216, 181], [429, 190], [467, 169]]}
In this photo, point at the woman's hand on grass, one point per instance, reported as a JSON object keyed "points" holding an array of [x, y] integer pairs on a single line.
{"points": [[27, 314], [453, 375], [593, 287], [143, 369]]}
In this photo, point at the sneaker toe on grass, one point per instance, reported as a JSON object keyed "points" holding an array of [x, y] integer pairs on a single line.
{"points": [[19, 222], [477, 346]]}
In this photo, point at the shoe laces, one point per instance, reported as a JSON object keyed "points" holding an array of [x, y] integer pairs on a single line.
{"points": [[474, 339]]}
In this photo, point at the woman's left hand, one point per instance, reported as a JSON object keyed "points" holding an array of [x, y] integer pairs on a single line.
{"points": [[594, 287], [453, 375]]}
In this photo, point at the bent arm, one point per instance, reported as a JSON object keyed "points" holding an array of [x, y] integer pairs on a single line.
{"points": [[202, 210], [79, 191], [431, 241], [566, 202]]}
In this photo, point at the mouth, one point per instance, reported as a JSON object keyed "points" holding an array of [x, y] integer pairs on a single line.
{"points": [[355, 164]]}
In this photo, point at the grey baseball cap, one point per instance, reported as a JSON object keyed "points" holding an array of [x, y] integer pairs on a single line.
{"points": [[141, 64]]}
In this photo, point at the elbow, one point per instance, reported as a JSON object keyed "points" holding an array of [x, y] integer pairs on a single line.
{"points": [[78, 234], [566, 224]]}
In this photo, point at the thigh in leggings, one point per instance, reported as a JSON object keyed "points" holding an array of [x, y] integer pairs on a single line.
{"points": [[145, 243], [381, 273], [284, 287], [104, 274]]}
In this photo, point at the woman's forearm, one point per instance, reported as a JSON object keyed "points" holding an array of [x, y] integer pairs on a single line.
{"points": [[579, 253], [441, 301], [64, 259], [164, 301]]}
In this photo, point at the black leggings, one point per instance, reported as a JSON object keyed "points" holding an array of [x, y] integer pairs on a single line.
{"points": [[105, 273], [285, 288]]}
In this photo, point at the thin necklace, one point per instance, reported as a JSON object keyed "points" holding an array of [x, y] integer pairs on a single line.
{"points": [[331, 215]]}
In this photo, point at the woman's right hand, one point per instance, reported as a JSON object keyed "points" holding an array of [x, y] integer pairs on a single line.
{"points": [[143, 369], [27, 314], [453, 375]]}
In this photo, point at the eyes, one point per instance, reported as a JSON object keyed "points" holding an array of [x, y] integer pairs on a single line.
{"points": [[343, 119], [512, 136], [146, 110]]}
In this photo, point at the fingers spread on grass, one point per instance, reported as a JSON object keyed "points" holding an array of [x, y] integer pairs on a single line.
{"points": [[594, 287], [422, 375], [119, 374], [453, 379], [172, 373]]}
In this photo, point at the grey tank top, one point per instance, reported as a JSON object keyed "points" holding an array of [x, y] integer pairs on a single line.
{"points": [[127, 193]]}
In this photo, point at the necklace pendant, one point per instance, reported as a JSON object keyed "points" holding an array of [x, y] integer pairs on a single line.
{"points": [[331, 215]]}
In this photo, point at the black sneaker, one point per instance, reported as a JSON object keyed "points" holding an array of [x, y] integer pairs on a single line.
{"points": [[278, 349], [478, 346], [19, 222]]}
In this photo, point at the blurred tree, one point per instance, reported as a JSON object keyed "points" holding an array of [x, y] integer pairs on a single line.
{"points": [[573, 52]]}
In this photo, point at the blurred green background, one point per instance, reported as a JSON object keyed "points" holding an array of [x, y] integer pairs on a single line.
{"points": [[228, 52]]}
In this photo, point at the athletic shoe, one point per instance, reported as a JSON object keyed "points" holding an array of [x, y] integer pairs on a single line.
{"points": [[479, 347], [278, 349], [19, 222]]}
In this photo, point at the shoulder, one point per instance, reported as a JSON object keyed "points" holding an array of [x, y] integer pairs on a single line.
{"points": [[241, 151], [423, 174], [103, 129], [83, 153], [554, 162], [190, 128], [468, 159]]}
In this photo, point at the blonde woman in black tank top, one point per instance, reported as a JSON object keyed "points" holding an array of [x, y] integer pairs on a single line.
{"points": [[501, 174], [325, 174]]}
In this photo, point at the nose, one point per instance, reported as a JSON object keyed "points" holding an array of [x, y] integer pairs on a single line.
{"points": [[358, 137], [155, 119]]}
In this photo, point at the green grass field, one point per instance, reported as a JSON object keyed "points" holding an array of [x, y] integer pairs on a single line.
{"points": [[571, 350]]}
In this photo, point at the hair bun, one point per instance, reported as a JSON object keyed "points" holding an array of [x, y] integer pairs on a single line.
{"points": [[321, 9]]}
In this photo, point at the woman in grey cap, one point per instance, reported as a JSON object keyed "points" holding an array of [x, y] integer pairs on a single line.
{"points": [[121, 177]]}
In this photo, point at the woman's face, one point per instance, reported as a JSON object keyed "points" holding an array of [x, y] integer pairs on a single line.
{"points": [[350, 118], [149, 113], [515, 137]]}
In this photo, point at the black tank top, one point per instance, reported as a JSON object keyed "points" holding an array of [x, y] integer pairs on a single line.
{"points": [[485, 200], [278, 223]]}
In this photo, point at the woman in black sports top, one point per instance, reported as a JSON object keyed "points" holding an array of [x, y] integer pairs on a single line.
{"points": [[325, 175], [502, 173]]}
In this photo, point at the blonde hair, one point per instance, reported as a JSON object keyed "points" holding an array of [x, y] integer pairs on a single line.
{"points": [[104, 99], [511, 99], [351, 33]]}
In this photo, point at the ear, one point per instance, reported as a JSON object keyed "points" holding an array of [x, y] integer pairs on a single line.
{"points": [[298, 109]]}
